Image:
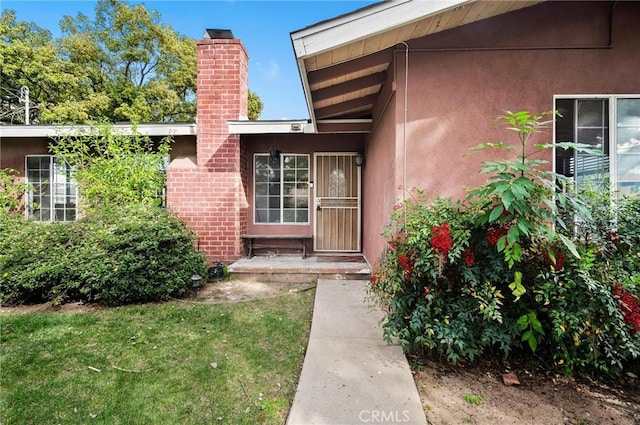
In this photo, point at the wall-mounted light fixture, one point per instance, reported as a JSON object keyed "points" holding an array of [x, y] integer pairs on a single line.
{"points": [[274, 153], [359, 159]]}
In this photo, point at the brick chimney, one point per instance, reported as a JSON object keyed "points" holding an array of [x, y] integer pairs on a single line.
{"points": [[209, 195]]}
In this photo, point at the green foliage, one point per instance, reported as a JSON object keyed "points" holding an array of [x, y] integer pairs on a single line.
{"points": [[521, 266], [122, 64], [114, 169], [473, 399], [113, 257], [254, 106], [11, 191]]}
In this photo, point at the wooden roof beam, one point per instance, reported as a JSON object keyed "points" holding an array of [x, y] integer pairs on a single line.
{"points": [[348, 106], [354, 65], [349, 86]]}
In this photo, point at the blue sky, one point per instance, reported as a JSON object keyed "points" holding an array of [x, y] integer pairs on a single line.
{"points": [[263, 26]]}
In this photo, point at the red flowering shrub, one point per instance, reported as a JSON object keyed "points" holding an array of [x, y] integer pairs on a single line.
{"points": [[452, 286], [441, 239], [495, 233], [469, 257], [629, 306], [407, 265]]}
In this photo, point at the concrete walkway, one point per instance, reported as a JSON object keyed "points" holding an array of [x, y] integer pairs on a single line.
{"points": [[350, 375]]}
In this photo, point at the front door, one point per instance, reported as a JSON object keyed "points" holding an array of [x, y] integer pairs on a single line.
{"points": [[337, 190]]}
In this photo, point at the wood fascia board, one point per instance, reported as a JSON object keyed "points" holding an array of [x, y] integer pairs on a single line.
{"points": [[268, 127], [50, 131], [350, 105], [365, 23], [349, 86]]}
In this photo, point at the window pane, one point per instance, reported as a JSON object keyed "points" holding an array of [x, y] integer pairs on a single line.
{"points": [[628, 146], [261, 202], [591, 136], [274, 216], [590, 113], [289, 216], [302, 216], [629, 112], [262, 189], [274, 202], [302, 161], [262, 216]]}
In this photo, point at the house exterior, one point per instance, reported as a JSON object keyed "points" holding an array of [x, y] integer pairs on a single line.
{"points": [[397, 93]]}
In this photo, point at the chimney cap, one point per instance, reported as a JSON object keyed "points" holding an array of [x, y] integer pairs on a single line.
{"points": [[216, 34]]}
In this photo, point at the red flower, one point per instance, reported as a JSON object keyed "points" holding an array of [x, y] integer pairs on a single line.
{"points": [[427, 291], [558, 264], [469, 257], [441, 238], [494, 234], [374, 280], [613, 237], [407, 264], [629, 306]]}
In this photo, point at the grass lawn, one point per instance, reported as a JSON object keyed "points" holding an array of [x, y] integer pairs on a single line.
{"points": [[171, 363]]}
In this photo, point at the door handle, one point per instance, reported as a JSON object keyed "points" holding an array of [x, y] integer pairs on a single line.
{"points": [[318, 204]]}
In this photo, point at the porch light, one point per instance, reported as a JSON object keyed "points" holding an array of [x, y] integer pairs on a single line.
{"points": [[274, 153], [359, 159], [195, 280]]}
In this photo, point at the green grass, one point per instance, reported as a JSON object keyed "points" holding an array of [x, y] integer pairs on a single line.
{"points": [[155, 363]]}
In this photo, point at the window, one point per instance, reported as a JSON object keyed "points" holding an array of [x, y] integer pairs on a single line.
{"points": [[608, 124], [281, 189], [53, 192]]}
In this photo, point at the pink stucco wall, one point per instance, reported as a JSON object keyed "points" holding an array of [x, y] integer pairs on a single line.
{"points": [[461, 79], [380, 179]]}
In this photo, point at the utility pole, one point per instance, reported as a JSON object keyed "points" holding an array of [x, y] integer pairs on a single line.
{"points": [[24, 97]]}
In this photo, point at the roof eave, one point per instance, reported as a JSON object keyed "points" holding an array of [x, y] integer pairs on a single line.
{"points": [[50, 131]]}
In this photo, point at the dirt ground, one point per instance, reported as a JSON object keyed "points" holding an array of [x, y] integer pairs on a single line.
{"points": [[455, 395], [477, 395], [224, 291]]}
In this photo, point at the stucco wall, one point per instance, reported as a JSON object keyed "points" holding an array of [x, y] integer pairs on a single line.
{"points": [[460, 80], [380, 183]]}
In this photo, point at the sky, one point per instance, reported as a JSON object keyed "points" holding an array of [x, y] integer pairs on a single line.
{"points": [[263, 26]]}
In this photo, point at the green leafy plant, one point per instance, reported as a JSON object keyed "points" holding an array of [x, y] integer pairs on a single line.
{"points": [[521, 266], [11, 191], [113, 169], [473, 399], [115, 257]]}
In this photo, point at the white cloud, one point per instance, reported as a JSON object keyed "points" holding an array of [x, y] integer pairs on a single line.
{"points": [[270, 71]]}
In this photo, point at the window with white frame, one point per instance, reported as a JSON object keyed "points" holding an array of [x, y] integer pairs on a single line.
{"points": [[53, 193], [281, 189], [610, 125]]}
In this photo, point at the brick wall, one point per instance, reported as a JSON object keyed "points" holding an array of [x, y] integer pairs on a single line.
{"points": [[210, 195]]}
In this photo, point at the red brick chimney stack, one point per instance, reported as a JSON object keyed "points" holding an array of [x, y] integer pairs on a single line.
{"points": [[210, 197]]}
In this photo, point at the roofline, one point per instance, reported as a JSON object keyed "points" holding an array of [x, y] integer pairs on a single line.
{"points": [[269, 126], [363, 23], [155, 129]]}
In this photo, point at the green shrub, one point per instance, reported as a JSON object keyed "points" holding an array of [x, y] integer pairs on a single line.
{"points": [[518, 267], [128, 255]]}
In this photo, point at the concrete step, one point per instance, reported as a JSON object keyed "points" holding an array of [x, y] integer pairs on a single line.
{"points": [[293, 268]]}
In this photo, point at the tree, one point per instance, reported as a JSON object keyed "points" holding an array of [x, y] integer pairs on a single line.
{"points": [[255, 106], [122, 65]]}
